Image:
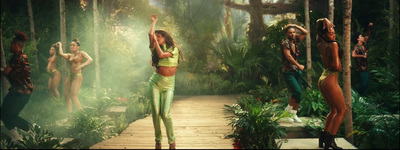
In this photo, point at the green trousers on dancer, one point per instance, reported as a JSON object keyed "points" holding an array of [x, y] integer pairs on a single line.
{"points": [[161, 94]]}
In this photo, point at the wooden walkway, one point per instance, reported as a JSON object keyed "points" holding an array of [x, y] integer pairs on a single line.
{"points": [[199, 123]]}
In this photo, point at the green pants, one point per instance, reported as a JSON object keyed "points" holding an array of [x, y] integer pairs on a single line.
{"points": [[161, 94], [292, 79], [363, 78]]}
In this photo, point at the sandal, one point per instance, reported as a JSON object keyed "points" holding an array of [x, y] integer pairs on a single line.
{"points": [[158, 145], [172, 146]]}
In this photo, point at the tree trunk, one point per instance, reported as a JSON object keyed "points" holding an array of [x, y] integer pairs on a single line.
{"points": [[63, 38], [308, 42], [256, 26], [256, 10], [228, 23], [32, 23], [96, 46], [331, 13], [4, 82], [346, 70]]}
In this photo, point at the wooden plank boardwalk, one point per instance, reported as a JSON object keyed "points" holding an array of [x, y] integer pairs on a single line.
{"points": [[199, 123]]}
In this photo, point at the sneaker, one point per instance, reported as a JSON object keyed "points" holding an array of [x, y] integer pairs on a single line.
{"points": [[290, 119], [288, 108], [296, 119]]}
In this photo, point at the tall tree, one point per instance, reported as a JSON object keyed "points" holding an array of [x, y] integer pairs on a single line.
{"points": [[308, 41], [228, 22], [331, 13], [256, 10], [4, 82], [393, 13], [63, 37], [346, 70], [96, 45], [32, 25]]}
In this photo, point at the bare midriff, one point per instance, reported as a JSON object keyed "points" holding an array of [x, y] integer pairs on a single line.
{"points": [[166, 71]]}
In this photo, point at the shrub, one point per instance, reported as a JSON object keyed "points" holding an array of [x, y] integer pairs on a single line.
{"points": [[254, 123]]}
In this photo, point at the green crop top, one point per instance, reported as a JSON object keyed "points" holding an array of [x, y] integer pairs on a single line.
{"points": [[169, 61]]}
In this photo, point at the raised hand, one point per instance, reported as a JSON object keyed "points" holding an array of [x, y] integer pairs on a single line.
{"points": [[154, 18]]}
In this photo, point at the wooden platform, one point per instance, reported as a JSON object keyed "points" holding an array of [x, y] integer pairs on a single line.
{"points": [[299, 138], [199, 123], [312, 143]]}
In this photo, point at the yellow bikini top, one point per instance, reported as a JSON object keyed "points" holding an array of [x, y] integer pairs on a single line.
{"points": [[169, 61]]}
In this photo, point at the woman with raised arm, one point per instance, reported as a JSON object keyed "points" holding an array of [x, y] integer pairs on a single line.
{"points": [[166, 57], [330, 53], [54, 74], [74, 79]]}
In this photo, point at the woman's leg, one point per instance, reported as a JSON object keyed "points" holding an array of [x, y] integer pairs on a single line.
{"points": [[332, 112], [67, 94], [75, 87], [166, 101], [50, 87], [56, 83], [335, 100], [154, 96]]}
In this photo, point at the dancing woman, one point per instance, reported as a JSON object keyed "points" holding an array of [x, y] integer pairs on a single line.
{"points": [[54, 74], [74, 79], [166, 56], [328, 85]]}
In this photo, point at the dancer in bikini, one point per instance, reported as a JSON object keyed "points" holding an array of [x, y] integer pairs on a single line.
{"points": [[166, 57], [330, 53], [74, 79], [55, 75]]}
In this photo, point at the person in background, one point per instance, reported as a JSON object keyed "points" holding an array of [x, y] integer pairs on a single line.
{"points": [[19, 75], [329, 50], [166, 57], [360, 56], [74, 79], [292, 70], [54, 74]]}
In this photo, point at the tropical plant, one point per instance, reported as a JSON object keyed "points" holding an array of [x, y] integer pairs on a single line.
{"points": [[313, 104], [88, 129], [34, 138], [120, 124], [138, 104], [254, 123]]}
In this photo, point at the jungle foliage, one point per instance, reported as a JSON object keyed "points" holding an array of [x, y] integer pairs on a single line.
{"points": [[214, 64]]}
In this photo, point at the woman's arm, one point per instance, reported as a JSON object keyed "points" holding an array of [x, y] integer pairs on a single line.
{"points": [[88, 60], [60, 50], [48, 66], [335, 63], [152, 29], [160, 53]]}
